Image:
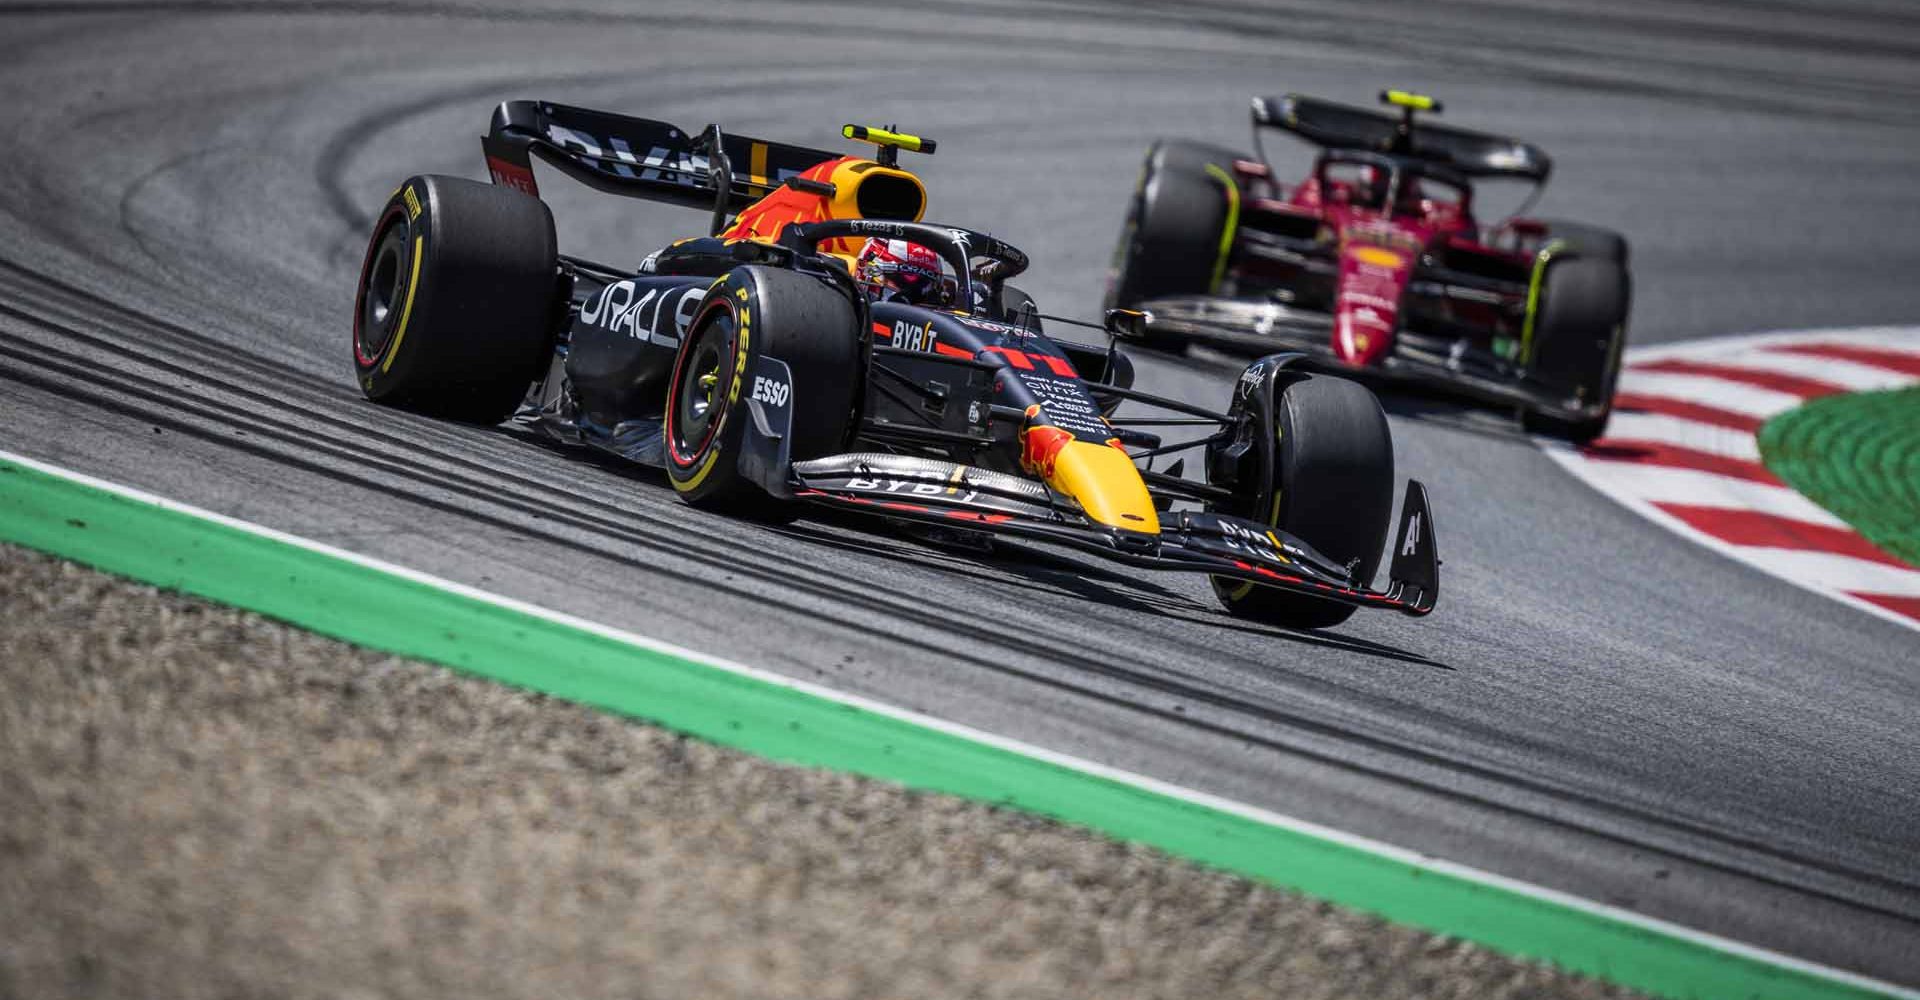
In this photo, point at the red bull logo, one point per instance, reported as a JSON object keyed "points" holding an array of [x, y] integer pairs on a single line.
{"points": [[1100, 477], [1040, 447]]}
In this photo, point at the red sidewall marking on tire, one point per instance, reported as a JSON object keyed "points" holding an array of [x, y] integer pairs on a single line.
{"points": [[673, 388], [360, 299]]}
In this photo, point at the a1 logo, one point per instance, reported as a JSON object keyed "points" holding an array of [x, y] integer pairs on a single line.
{"points": [[769, 391]]}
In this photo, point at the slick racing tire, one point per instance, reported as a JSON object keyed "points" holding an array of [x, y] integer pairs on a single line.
{"points": [[1170, 242], [1589, 241], [1580, 330], [1332, 488], [455, 313], [753, 312]]}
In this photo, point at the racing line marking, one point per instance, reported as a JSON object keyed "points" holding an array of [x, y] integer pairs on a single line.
{"points": [[1681, 451]]}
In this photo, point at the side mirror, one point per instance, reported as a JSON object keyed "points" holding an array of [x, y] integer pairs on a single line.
{"points": [[1128, 324]]}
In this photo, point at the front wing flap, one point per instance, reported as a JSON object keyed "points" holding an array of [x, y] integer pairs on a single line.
{"points": [[1247, 325], [937, 492], [930, 489]]}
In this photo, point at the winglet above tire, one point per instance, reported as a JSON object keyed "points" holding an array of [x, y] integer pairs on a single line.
{"points": [[1415, 571]]}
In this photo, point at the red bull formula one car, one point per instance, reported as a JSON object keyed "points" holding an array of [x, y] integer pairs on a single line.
{"points": [[784, 360], [1375, 263]]}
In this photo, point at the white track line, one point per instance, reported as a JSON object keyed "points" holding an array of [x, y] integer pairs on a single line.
{"points": [[1661, 484], [1896, 338], [1707, 390], [1852, 376], [1660, 428], [1837, 572]]}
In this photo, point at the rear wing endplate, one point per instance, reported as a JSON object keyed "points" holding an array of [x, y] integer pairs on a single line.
{"points": [[637, 157]]}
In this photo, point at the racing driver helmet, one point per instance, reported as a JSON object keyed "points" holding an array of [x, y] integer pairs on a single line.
{"points": [[1411, 199], [899, 271]]}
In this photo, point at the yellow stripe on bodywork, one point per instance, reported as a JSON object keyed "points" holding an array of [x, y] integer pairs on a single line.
{"points": [[1106, 484], [757, 164], [406, 311]]}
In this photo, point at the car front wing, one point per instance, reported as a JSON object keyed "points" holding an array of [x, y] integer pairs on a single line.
{"points": [[932, 491], [1258, 326]]}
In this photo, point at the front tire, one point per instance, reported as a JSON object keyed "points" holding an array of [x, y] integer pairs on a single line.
{"points": [[455, 315], [1171, 242], [755, 312], [1580, 331], [1332, 488], [1588, 241]]}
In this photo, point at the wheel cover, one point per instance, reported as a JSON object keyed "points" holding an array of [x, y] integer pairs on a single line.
{"points": [[702, 381], [382, 284]]}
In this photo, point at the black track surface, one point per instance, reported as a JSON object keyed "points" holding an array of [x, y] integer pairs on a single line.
{"points": [[1596, 707]]}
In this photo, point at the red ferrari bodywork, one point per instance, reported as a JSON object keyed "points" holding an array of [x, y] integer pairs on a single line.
{"points": [[1380, 243], [1374, 264]]}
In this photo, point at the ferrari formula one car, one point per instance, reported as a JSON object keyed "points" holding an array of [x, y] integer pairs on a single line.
{"points": [[755, 369], [1375, 263]]}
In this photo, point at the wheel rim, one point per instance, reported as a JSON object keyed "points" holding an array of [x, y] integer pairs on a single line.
{"points": [[701, 383], [380, 292]]}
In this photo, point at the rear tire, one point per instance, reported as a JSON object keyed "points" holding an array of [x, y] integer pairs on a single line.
{"points": [[759, 312], [1170, 241], [455, 311], [1580, 333], [1333, 489]]}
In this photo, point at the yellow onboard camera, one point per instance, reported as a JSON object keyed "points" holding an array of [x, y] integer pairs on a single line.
{"points": [[889, 141], [1410, 101]]}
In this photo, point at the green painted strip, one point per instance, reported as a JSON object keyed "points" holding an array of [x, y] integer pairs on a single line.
{"points": [[1858, 455], [389, 608]]}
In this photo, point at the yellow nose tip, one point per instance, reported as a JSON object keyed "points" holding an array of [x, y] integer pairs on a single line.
{"points": [[1107, 485]]}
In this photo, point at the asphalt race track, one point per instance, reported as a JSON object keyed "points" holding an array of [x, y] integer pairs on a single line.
{"points": [[1596, 706]]}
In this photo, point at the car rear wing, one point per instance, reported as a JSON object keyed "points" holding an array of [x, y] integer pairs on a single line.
{"points": [[1341, 126], [639, 157]]}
